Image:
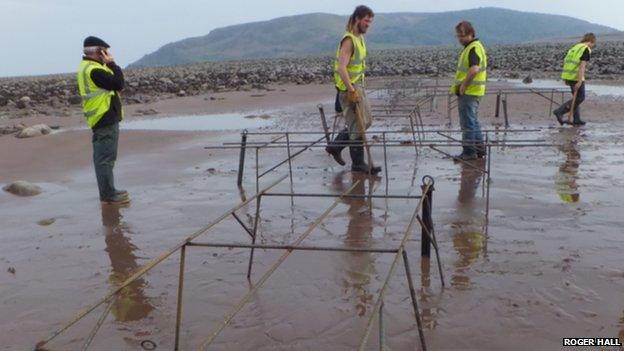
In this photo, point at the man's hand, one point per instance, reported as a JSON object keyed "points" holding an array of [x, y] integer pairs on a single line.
{"points": [[578, 85], [107, 57], [462, 88], [353, 96]]}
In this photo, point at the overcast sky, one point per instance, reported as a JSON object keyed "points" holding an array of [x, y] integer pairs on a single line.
{"points": [[45, 36]]}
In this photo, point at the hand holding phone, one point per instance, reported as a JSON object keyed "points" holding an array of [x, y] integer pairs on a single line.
{"points": [[106, 56]]}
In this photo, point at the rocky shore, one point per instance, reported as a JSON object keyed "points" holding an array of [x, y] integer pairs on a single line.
{"points": [[57, 94]]}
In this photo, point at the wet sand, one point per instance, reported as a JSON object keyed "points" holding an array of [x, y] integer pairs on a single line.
{"points": [[546, 265]]}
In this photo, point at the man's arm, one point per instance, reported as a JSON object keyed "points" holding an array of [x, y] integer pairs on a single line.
{"points": [[108, 81], [346, 51], [473, 62]]}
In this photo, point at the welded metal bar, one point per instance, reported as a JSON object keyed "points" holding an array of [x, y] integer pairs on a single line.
{"points": [[393, 265], [241, 160], [98, 325], [257, 170], [397, 131], [385, 153], [434, 242], [411, 119], [399, 144], [457, 159], [293, 156], [412, 290], [150, 265], [450, 137], [352, 196], [498, 102], [228, 318], [242, 224], [294, 248], [552, 101], [255, 235], [180, 296], [425, 240], [505, 114], [290, 172], [300, 143], [381, 328]]}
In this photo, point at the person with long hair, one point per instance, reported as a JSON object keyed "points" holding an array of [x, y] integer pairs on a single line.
{"points": [[349, 72]]}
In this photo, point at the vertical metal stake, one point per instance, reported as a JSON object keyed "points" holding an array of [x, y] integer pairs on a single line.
{"points": [[255, 235], [241, 161], [289, 160], [425, 249], [498, 101], [383, 135], [324, 122], [410, 283], [381, 328], [505, 111], [180, 290]]}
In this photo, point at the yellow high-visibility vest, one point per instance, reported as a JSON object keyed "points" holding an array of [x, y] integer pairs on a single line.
{"points": [[572, 62], [477, 86], [95, 100], [357, 64]]}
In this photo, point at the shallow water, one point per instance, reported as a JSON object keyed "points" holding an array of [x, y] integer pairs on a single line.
{"points": [[230, 121], [543, 263]]}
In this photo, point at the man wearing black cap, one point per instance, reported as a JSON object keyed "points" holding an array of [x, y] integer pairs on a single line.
{"points": [[100, 80]]}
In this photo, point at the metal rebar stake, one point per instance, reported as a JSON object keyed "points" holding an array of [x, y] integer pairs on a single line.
{"points": [[255, 235], [180, 292], [498, 101], [324, 122], [381, 328], [426, 216], [241, 161], [410, 284]]}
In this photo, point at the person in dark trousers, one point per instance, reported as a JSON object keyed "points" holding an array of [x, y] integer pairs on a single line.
{"points": [[470, 86], [99, 81], [574, 67], [349, 76]]}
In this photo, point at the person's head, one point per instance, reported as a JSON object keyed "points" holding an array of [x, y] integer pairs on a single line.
{"points": [[94, 48], [465, 33], [589, 39], [360, 20]]}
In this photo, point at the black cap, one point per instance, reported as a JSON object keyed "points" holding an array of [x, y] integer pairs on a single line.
{"points": [[95, 41]]}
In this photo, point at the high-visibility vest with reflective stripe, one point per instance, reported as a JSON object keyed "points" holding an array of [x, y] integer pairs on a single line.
{"points": [[572, 62], [357, 64], [95, 100], [477, 86]]}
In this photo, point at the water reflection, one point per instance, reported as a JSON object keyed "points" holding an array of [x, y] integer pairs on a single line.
{"points": [[468, 237], [131, 303], [565, 180], [359, 266]]}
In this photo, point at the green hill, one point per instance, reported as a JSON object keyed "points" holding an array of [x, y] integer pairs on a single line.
{"points": [[318, 33]]}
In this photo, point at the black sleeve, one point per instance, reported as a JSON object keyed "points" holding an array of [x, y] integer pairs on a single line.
{"points": [[473, 59], [586, 55], [108, 81]]}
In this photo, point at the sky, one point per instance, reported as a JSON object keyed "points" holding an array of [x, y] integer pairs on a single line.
{"points": [[45, 36]]}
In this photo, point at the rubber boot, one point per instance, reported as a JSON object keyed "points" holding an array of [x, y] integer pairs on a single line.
{"points": [[481, 150], [336, 146], [358, 164]]}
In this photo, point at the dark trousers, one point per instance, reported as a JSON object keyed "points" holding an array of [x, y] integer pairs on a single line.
{"points": [[105, 141], [580, 97]]}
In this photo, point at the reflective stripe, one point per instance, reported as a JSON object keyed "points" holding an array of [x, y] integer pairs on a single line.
{"points": [[572, 61], [100, 92], [465, 70], [474, 82], [90, 113]]}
